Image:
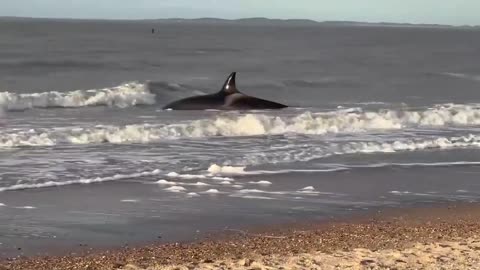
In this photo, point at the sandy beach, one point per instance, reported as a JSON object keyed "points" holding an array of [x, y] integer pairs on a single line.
{"points": [[446, 237], [458, 254], [96, 174]]}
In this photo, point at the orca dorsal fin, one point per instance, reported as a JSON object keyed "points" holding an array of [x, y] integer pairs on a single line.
{"points": [[229, 87]]}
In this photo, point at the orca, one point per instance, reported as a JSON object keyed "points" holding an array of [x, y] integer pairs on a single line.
{"points": [[228, 98]]}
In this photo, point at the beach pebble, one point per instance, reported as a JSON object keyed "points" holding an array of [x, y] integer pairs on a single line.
{"points": [[367, 262], [245, 262], [119, 265]]}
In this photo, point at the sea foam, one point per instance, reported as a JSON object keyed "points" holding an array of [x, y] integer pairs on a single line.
{"points": [[307, 123], [124, 95], [262, 124], [79, 181]]}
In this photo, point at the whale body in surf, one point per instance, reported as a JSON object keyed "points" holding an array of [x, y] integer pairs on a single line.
{"points": [[228, 98]]}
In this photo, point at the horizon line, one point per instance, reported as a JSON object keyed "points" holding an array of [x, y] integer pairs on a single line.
{"points": [[236, 19]]}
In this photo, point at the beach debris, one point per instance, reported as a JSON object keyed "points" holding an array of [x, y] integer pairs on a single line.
{"points": [[367, 262]]}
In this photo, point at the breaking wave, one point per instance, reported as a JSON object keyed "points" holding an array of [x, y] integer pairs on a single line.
{"points": [[231, 125], [125, 95]]}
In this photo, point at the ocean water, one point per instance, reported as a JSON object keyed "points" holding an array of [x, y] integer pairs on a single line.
{"points": [[380, 117]]}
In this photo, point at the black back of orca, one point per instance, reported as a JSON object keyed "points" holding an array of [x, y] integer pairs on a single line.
{"points": [[228, 98]]}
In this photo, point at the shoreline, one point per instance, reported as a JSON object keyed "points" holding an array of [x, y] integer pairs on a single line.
{"points": [[425, 228]]}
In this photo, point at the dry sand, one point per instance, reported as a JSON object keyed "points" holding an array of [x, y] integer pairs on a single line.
{"points": [[459, 254], [427, 238]]}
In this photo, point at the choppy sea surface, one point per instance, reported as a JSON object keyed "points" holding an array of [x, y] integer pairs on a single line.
{"points": [[379, 117]]}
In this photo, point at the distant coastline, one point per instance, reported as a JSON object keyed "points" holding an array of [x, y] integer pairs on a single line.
{"points": [[257, 21]]}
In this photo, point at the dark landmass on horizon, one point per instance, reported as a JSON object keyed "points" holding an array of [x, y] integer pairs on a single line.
{"points": [[257, 21]]}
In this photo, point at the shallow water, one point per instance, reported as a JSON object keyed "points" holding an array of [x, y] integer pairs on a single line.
{"points": [[380, 117]]}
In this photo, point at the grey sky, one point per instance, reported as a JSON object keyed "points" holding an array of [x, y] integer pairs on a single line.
{"points": [[455, 12]]}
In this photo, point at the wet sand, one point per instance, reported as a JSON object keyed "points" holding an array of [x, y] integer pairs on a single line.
{"points": [[424, 238]]}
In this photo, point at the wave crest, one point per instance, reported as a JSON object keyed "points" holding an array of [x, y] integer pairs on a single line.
{"points": [[125, 95], [332, 122], [230, 125]]}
